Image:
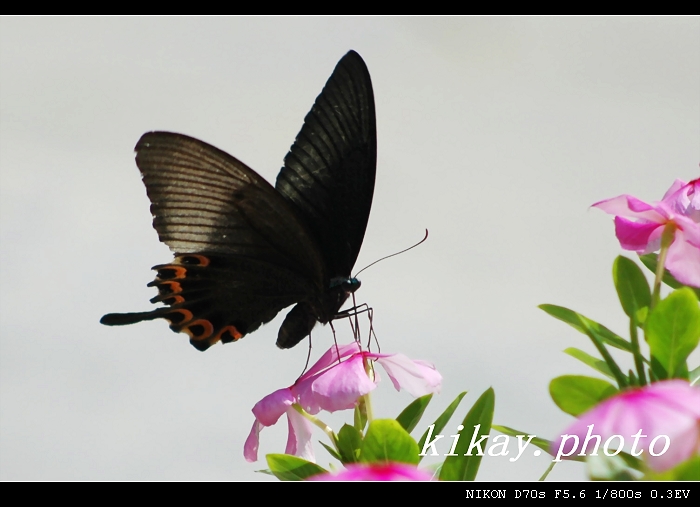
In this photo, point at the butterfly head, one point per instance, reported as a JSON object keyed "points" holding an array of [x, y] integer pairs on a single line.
{"points": [[348, 284]]}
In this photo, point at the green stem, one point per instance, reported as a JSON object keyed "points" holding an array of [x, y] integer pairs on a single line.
{"points": [[365, 400], [549, 469], [368, 407], [614, 368], [638, 358], [666, 240], [317, 422]]}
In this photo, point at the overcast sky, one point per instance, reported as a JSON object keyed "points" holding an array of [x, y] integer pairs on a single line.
{"points": [[496, 134]]}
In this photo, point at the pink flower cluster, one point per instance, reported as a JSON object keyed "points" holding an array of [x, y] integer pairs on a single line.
{"points": [[335, 382], [639, 227], [665, 411], [376, 472]]}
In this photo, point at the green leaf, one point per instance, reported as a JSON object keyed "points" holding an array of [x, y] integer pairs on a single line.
{"points": [[593, 362], [687, 471], [598, 334], [576, 394], [331, 451], [349, 443], [632, 288], [586, 325], [477, 424], [410, 416], [291, 468], [387, 441], [442, 421], [608, 468], [632, 461], [658, 370], [545, 445], [694, 376], [673, 331], [651, 261]]}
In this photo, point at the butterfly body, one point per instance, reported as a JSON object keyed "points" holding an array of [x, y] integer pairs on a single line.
{"points": [[245, 250]]}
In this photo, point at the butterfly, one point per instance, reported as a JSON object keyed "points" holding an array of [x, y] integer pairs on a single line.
{"points": [[243, 250]]}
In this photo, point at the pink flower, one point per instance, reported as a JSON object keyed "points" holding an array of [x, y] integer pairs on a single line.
{"points": [[679, 206], [376, 472], [331, 385], [660, 421], [267, 412], [335, 382]]}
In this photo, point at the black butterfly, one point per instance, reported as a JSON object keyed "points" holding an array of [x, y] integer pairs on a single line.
{"points": [[244, 250]]}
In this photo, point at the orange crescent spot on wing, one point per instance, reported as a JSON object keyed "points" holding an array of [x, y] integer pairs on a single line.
{"points": [[186, 317], [200, 260], [179, 272], [207, 329], [175, 287], [173, 300], [229, 334]]}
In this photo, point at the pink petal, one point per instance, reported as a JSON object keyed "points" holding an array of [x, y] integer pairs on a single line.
{"points": [[330, 358], [376, 472], [692, 211], [691, 229], [684, 199], [683, 260], [271, 407], [416, 377], [338, 388], [631, 207], [250, 448], [673, 194], [670, 408], [299, 438], [643, 237], [680, 394]]}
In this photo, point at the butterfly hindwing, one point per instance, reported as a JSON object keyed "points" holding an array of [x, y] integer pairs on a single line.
{"points": [[215, 298]]}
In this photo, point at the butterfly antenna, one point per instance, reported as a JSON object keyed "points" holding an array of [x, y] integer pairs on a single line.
{"points": [[392, 255]]}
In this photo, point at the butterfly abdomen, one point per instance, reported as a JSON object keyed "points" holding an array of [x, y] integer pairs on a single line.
{"points": [[324, 308]]}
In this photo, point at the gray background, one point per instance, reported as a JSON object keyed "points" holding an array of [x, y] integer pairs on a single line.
{"points": [[496, 134]]}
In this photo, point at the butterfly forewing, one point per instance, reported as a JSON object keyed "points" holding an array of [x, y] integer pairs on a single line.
{"points": [[329, 171], [204, 200]]}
